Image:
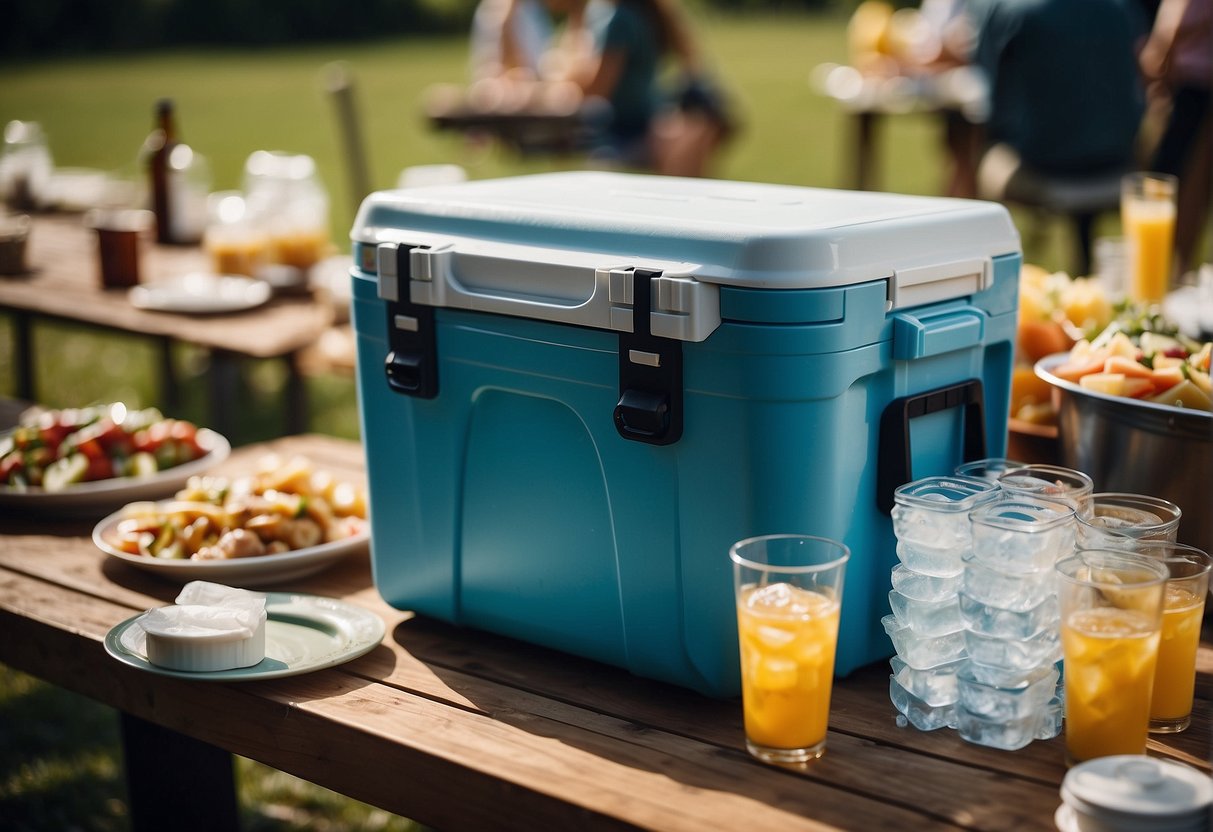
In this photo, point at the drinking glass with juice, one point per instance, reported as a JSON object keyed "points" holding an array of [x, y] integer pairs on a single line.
{"points": [[788, 592], [1147, 215], [1111, 617], [1183, 607]]}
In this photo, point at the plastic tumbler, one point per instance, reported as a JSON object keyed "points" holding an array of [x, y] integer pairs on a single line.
{"points": [[1111, 618], [1183, 607], [1118, 520], [789, 593]]}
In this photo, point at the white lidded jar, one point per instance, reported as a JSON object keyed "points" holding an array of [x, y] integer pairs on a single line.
{"points": [[1134, 793]]}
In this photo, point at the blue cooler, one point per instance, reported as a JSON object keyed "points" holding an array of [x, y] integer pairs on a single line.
{"points": [[578, 389]]}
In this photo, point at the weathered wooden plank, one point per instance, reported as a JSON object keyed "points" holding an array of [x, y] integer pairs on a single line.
{"points": [[452, 766]]}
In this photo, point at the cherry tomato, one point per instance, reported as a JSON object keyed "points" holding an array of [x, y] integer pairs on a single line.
{"points": [[99, 468], [12, 463]]}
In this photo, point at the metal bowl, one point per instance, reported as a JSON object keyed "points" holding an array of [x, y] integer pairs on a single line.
{"points": [[1138, 447]]}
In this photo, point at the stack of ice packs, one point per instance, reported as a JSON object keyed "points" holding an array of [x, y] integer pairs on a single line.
{"points": [[931, 522], [1009, 686], [975, 617]]}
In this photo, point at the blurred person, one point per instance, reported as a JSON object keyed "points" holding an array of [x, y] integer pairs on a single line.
{"points": [[629, 40], [509, 38], [1066, 99], [1177, 62]]}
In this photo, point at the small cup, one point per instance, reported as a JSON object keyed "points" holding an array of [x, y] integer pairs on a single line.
{"points": [[14, 234], [118, 244], [1111, 619], [789, 596], [1117, 521]]}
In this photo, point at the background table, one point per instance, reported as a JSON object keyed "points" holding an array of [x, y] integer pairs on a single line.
{"points": [[64, 285], [464, 730]]}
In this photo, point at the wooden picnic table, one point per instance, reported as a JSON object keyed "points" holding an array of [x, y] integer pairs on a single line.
{"points": [[63, 285], [460, 729]]}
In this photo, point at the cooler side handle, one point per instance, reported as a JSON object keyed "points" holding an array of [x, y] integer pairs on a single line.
{"points": [[894, 466]]}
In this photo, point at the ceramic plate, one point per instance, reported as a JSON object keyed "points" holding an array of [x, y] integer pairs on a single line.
{"points": [[302, 633], [202, 293], [242, 572], [105, 495]]}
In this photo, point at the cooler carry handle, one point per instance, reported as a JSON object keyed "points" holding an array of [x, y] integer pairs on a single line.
{"points": [[894, 459]]}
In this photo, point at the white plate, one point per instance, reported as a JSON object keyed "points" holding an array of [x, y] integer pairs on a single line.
{"points": [[302, 633], [242, 572], [199, 292], [105, 495]]}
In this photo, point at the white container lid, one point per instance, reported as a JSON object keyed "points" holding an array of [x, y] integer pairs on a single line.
{"points": [[754, 235], [1136, 792]]}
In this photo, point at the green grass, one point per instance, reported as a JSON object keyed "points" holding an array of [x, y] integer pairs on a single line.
{"points": [[61, 769]]}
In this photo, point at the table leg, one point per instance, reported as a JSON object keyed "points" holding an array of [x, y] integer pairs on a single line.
{"points": [[23, 356], [865, 173], [223, 380], [296, 396], [170, 392], [177, 782]]}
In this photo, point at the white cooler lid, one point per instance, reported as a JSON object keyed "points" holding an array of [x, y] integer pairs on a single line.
{"points": [[730, 233]]}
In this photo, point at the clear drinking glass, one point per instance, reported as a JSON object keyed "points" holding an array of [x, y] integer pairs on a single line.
{"points": [[988, 469], [789, 594], [1117, 520], [1050, 482], [1147, 214], [1111, 620], [1183, 608]]}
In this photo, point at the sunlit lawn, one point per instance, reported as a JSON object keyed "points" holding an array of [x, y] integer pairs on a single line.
{"points": [[59, 761]]}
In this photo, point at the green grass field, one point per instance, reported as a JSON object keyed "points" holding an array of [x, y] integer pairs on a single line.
{"points": [[60, 765]]}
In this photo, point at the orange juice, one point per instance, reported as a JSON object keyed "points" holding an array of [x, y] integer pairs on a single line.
{"points": [[301, 249], [1175, 676], [1149, 230], [788, 636], [1110, 657], [236, 255]]}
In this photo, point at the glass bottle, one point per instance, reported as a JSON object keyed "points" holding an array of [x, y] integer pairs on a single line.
{"points": [[159, 146]]}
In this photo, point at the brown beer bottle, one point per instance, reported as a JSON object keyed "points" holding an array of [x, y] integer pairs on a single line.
{"points": [[160, 145]]}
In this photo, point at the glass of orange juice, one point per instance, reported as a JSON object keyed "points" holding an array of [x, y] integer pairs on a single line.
{"points": [[1111, 617], [1183, 607], [1147, 216], [789, 594]]}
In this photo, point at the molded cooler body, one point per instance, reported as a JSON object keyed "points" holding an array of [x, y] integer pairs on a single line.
{"points": [[577, 390]]}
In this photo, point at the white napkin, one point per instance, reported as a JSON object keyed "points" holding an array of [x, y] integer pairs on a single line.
{"points": [[203, 609]]}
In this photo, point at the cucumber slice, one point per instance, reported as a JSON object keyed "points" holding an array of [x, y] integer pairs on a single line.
{"points": [[64, 472], [143, 464]]}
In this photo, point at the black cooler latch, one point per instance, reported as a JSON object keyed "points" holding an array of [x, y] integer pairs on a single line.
{"points": [[411, 365], [650, 374], [894, 468]]}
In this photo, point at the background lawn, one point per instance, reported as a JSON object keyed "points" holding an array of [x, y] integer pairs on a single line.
{"points": [[60, 766]]}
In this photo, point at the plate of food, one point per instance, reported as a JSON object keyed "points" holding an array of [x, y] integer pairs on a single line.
{"points": [[94, 459], [281, 522]]}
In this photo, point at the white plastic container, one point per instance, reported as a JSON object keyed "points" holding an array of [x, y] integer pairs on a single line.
{"points": [[1134, 793]]}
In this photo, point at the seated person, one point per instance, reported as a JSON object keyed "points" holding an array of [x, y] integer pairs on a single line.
{"points": [[509, 38], [630, 38], [1065, 99]]}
